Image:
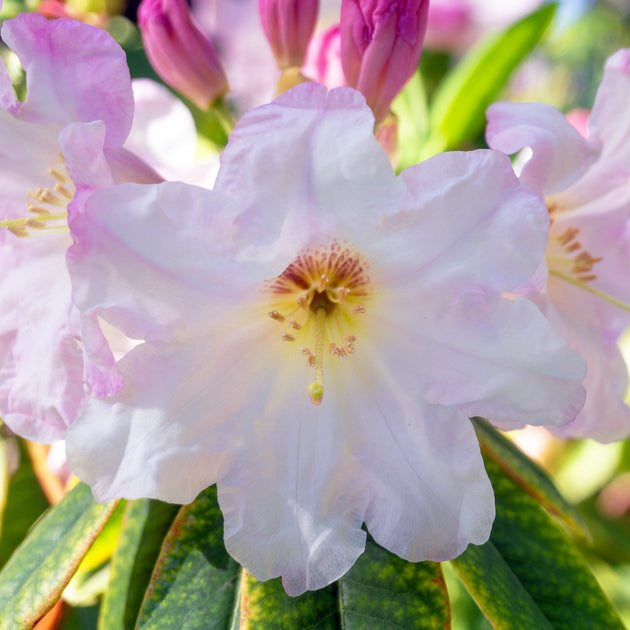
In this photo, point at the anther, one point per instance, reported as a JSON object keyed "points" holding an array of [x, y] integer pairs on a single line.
{"points": [[18, 230], [279, 317], [293, 324], [302, 301], [287, 337], [359, 309], [34, 223], [342, 293], [57, 175], [62, 190]]}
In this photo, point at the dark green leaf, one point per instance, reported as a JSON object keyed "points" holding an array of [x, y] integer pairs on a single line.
{"points": [[383, 591], [457, 113], [195, 582], [530, 568], [527, 474], [43, 564], [25, 504], [144, 526]]}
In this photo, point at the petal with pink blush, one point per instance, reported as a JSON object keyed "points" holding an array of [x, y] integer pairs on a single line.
{"points": [[74, 73], [561, 155]]}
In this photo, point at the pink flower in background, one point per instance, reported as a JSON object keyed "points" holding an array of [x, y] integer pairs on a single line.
{"points": [[179, 52], [586, 185], [288, 26], [381, 43], [316, 333], [61, 142], [323, 58]]}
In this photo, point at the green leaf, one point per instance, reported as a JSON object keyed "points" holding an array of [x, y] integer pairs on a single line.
{"points": [[527, 474], [530, 570], [410, 107], [38, 571], [144, 526], [382, 590], [25, 503], [457, 113], [195, 581]]}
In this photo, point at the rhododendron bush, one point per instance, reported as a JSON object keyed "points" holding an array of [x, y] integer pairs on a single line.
{"points": [[313, 323]]}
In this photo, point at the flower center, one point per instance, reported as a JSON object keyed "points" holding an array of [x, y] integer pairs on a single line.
{"points": [[319, 300], [46, 207]]}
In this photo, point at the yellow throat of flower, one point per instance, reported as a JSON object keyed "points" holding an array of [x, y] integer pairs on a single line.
{"points": [[319, 300]]}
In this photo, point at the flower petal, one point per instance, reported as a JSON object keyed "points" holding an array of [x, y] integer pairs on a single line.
{"points": [[151, 284], [293, 189], [74, 73], [429, 493], [41, 361], [490, 356], [466, 221], [560, 154]]}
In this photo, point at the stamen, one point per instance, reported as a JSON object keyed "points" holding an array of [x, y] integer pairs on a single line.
{"points": [[293, 324], [587, 287], [342, 293], [31, 207], [359, 309], [279, 317], [287, 337], [316, 389], [322, 283], [302, 301], [34, 223]]}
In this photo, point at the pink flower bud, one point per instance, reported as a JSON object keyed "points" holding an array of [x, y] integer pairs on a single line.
{"points": [[381, 42], [323, 58], [288, 25], [179, 52]]}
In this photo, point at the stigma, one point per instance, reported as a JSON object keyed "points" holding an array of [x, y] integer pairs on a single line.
{"points": [[319, 301], [46, 208]]}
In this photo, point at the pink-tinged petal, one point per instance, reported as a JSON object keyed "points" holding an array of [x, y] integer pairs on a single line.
{"points": [[100, 373], [154, 250], [27, 151], [40, 357], [82, 145], [560, 155], [609, 121], [490, 356], [163, 133], [429, 493], [293, 498], [74, 73], [7, 93], [454, 202], [605, 416], [293, 189]]}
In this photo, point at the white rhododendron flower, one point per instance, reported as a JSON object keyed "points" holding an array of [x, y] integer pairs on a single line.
{"points": [[317, 331]]}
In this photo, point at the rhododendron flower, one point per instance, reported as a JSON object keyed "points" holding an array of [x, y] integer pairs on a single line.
{"points": [[586, 187], [66, 134], [317, 332]]}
